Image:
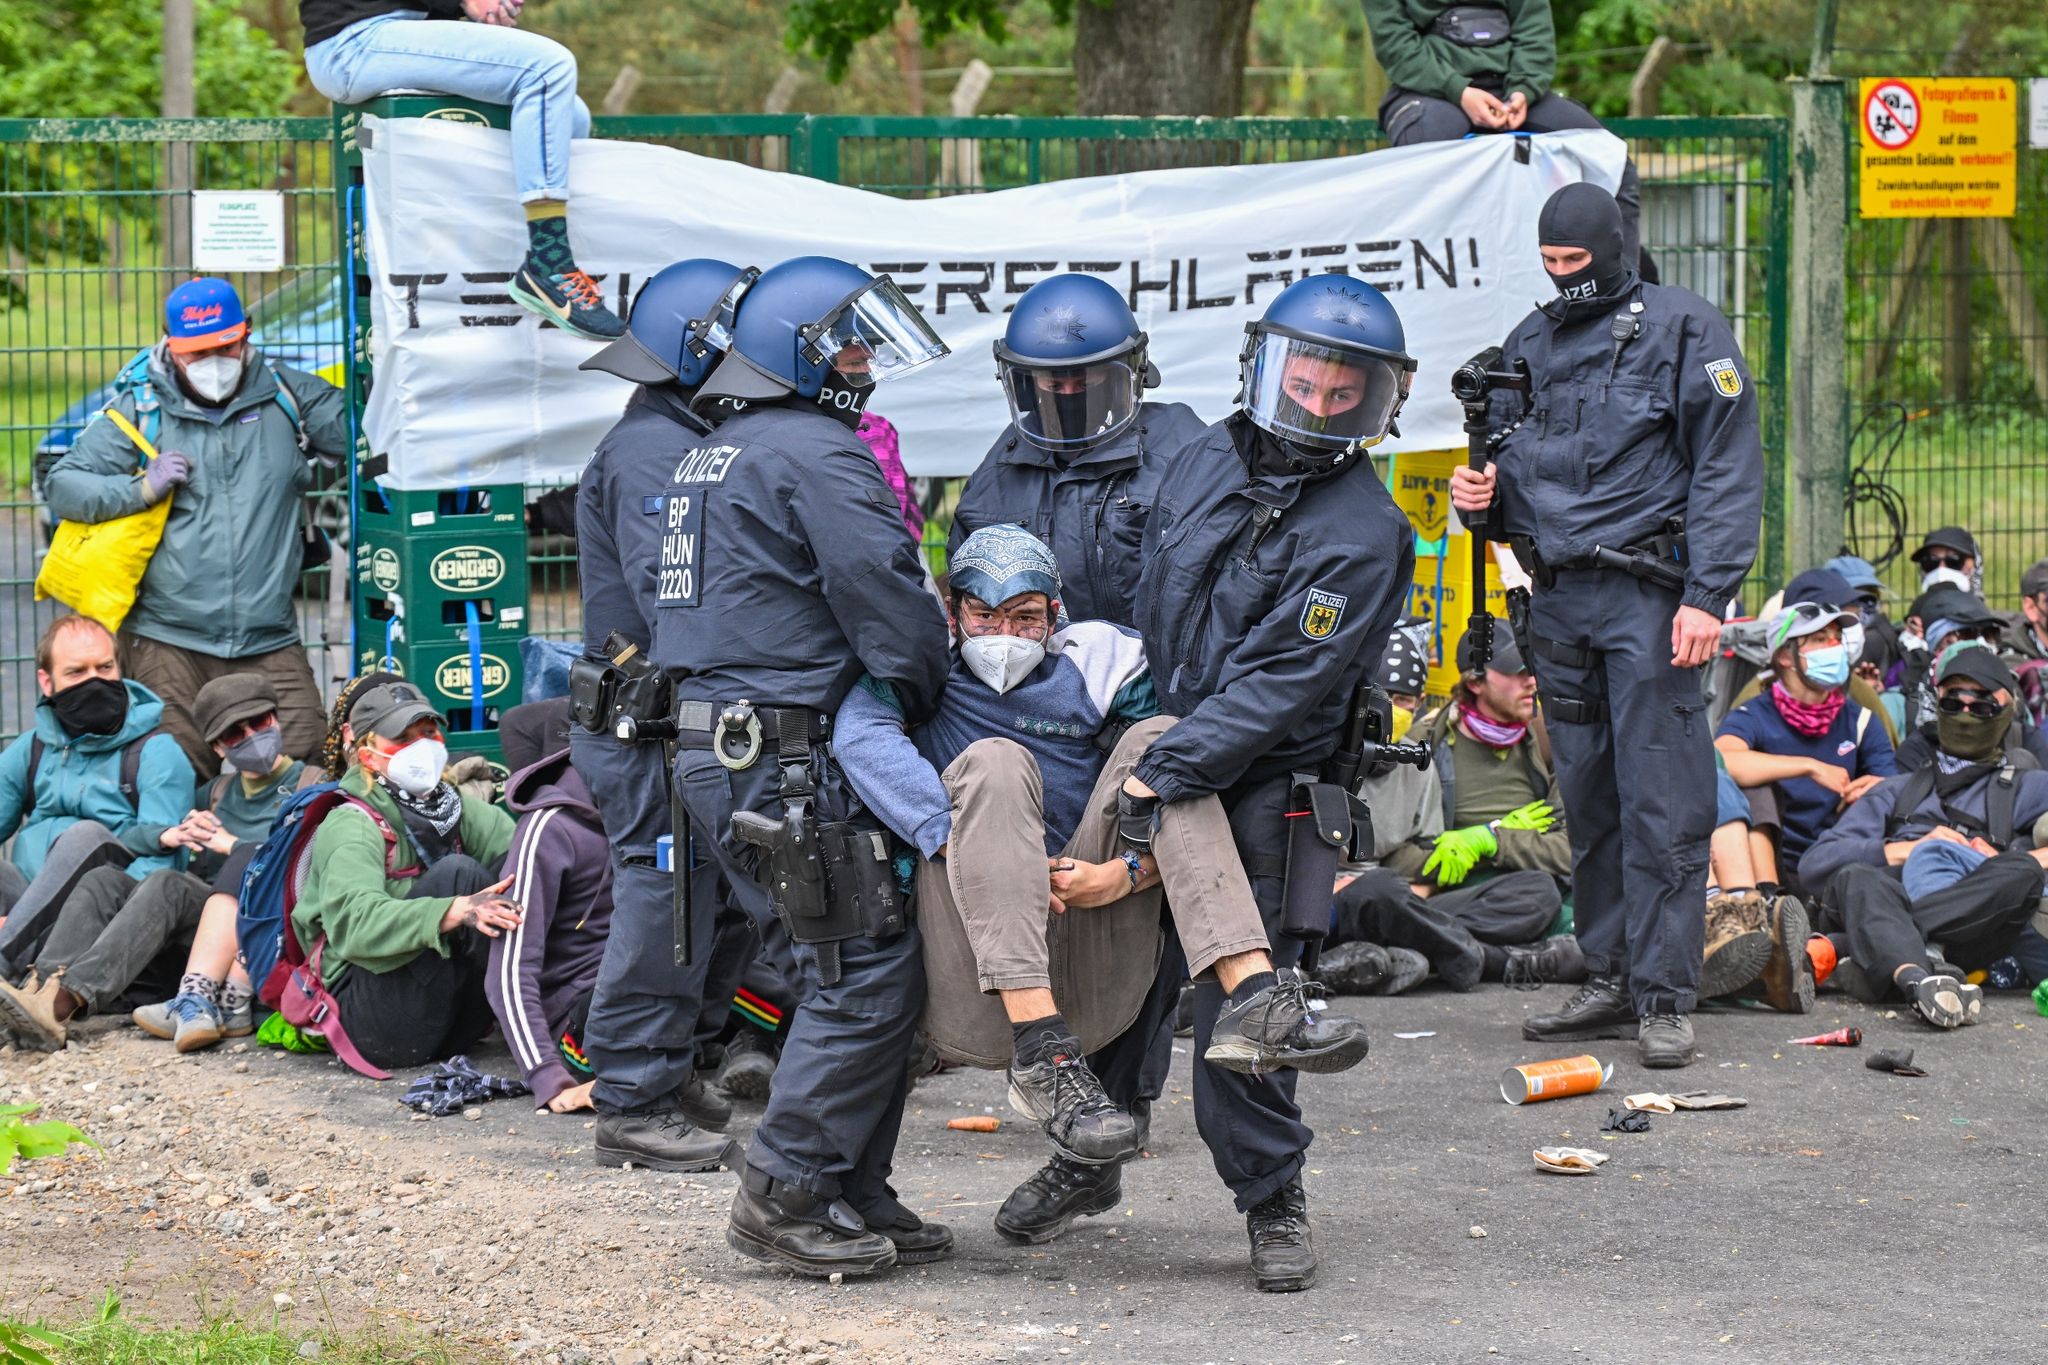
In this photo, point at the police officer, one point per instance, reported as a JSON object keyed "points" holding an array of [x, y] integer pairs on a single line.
{"points": [[647, 1012], [783, 573], [1081, 461], [1275, 564], [1639, 412]]}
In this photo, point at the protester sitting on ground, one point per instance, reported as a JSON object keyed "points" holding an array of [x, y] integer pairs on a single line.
{"points": [[215, 998], [1802, 751], [1828, 587], [357, 50], [116, 939], [93, 783], [1404, 671], [404, 888], [1754, 940], [1490, 871], [1881, 654], [2026, 633], [1941, 616], [232, 431], [1950, 556], [1930, 876], [1018, 764], [1458, 70]]}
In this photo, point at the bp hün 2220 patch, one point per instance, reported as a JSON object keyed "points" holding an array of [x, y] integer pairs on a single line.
{"points": [[1727, 379], [1321, 613]]}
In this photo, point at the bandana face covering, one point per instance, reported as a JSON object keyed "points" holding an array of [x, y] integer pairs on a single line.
{"points": [[1812, 720], [1492, 733]]}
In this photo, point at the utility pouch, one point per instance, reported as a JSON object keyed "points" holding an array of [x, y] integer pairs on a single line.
{"points": [[861, 875], [1473, 25], [591, 684], [1318, 829]]}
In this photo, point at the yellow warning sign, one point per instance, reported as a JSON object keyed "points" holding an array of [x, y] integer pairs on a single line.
{"points": [[1939, 147], [1442, 594]]}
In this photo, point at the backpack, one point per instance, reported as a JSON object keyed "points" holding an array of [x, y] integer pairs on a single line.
{"points": [[134, 381], [286, 975], [131, 766], [1999, 802]]}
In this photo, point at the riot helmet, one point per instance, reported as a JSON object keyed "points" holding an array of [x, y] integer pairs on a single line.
{"points": [[1326, 370], [680, 324], [1072, 363]]}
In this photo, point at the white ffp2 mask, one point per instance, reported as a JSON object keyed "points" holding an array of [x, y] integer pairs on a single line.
{"points": [[1001, 661], [416, 769]]}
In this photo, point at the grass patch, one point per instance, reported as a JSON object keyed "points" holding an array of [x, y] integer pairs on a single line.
{"points": [[111, 1338]]}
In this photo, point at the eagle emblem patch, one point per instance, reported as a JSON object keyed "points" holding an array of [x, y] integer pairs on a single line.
{"points": [[1320, 616], [1727, 379]]}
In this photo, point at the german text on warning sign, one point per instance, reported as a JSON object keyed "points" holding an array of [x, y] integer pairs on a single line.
{"points": [[1939, 148]]}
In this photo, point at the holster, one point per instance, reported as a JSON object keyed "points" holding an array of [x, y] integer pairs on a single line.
{"points": [[1318, 829], [1518, 618]]}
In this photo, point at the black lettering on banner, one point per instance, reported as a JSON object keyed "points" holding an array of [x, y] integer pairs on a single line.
{"points": [[896, 270], [1371, 268], [1170, 286], [411, 285], [1013, 285], [1095, 267], [1334, 249], [1195, 299], [1253, 280], [679, 571], [971, 292], [1447, 272], [509, 318]]}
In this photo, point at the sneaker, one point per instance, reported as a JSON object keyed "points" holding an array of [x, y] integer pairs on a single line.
{"points": [[1664, 1041], [30, 1012], [239, 1022], [200, 1023], [1947, 1001], [1283, 1026], [1067, 1100], [570, 300], [1599, 1009], [1353, 968], [1738, 944], [1047, 1204], [749, 1066], [159, 1020], [1283, 1248], [1557, 961], [1787, 981]]}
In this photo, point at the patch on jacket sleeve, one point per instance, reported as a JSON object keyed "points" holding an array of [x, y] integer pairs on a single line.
{"points": [[1727, 379], [1319, 617]]}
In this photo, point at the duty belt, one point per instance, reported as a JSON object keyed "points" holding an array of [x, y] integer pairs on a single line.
{"points": [[736, 732]]}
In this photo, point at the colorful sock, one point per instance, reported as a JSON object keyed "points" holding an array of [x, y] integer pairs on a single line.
{"points": [[234, 998], [201, 985], [547, 237], [1252, 985]]}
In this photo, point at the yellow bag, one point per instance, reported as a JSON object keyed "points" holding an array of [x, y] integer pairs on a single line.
{"points": [[95, 568]]}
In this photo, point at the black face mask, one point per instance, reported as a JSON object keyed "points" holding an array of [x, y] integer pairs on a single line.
{"points": [[1586, 216], [97, 706]]}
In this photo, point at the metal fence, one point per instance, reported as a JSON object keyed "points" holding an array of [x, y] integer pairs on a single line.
{"points": [[85, 209]]}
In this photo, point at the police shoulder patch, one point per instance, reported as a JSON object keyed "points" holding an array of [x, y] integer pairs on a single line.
{"points": [[1727, 379], [1321, 613]]}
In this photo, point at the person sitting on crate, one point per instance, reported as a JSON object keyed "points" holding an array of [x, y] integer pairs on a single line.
{"points": [[233, 433], [359, 49]]}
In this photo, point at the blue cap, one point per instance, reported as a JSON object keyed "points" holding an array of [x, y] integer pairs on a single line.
{"points": [[1858, 573], [202, 314], [999, 562]]}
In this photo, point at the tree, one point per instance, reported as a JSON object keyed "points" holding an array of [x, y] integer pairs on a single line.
{"points": [[103, 59]]}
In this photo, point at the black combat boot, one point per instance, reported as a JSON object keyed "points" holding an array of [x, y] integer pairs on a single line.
{"points": [[1283, 1249], [703, 1106], [1664, 1041], [1599, 1009], [917, 1242], [661, 1139], [749, 1065], [1275, 1028], [1556, 961], [1047, 1204], [792, 1227]]}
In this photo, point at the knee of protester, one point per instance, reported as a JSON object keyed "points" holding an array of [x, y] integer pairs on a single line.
{"points": [[998, 757]]}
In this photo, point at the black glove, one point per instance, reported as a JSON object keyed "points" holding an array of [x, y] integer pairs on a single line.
{"points": [[1136, 818]]}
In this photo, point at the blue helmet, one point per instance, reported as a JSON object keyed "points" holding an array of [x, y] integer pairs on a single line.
{"points": [[809, 318], [681, 321], [998, 562], [1326, 369], [1072, 363]]}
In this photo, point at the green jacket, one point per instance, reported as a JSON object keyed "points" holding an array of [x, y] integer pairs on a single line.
{"points": [[221, 580], [1519, 849], [364, 914], [1418, 60]]}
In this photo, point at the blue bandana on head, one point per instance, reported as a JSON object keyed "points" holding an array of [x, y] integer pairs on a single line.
{"points": [[998, 562]]}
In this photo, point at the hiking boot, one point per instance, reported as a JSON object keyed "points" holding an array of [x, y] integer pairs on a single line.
{"points": [[30, 1011], [1278, 1027], [749, 1065], [1406, 968], [1047, 1204], [1353, 968], [1069, 1103], [1788, 977], [1738, 944], [917, 1242], [1664, 1042], [661, 1139], [1283, 1249], [1947, 1001], [1557, 961], [702, 1105], [1599, 1009], [569, 299], [792, 1227]]}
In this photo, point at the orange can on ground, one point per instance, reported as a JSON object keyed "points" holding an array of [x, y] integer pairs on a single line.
{"points": [[1532, 1082]]}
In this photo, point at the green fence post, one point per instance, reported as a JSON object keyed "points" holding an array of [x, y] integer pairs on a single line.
{"points": [[1817, 406]]}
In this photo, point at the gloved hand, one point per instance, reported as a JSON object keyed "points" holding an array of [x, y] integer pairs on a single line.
{"points": [[1537, 816], [1457, 852], [169, 469]]}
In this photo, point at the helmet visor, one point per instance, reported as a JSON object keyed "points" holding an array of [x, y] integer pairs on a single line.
{"points": [[1322, 396], [715, 327], [1066, 408], [876, 335]]}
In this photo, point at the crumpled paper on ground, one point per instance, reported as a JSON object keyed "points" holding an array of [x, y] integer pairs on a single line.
{"points": [[1568, 1160], [1658, 1103]]}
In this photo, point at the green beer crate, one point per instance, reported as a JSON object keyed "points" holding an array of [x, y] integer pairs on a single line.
{"points": [[443, 671], [479, 509], [427, 583]]}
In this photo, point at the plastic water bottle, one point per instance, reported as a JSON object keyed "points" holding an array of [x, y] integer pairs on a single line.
{"points": [[2041, 998]]}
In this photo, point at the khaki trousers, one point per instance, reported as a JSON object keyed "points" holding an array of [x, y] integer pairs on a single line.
{"points": [[176, 674]]}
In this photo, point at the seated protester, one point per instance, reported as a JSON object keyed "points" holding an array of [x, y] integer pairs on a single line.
{"points": [[2026, 632], [2025, 743], [215, 998], [93, 783], [1940, 618], [1802, 751], [542, 973], [1752, 941], [1881, 656], [1949, 556], [1016, 765], [1490, 870], [1929, 877], [111, 931], [1828, 587], [1404, 671], [404, 888]]}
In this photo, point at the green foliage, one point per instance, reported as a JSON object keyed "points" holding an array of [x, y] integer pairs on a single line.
{"points": [[222, 1339], [829, 29], [103, 59], [23, 1345], [32, 1140]]}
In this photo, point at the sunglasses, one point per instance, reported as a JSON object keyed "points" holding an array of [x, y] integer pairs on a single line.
{"points": [[1946, 561], [1977, 704]]}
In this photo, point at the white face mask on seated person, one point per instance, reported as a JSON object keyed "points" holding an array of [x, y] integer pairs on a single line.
{"points": [[1001, 661]]}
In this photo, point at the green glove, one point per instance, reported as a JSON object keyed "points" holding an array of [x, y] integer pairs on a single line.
{"points": [[1537, 816], [1458, 851]]}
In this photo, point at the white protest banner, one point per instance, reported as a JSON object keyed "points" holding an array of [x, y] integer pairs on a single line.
{"points": [[470, 388]]}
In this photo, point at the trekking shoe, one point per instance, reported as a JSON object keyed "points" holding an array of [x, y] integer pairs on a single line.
{"points": [[1664, 1042], [660, 1139], [1064, 1096], [1353, 968], [749, 1066], [1283, 1249], [1788, 977], [792, 1227], [917, 1242], [570, 300], [30, 1010], [702, 1105], [1405, 968], [1738, 944], [1598, 1009], [1557, 961], [1047, 1204], [1278, 1027], [1947, 1001]]}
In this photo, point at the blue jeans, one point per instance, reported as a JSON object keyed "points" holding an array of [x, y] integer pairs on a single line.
{"points": [[406, 50]]}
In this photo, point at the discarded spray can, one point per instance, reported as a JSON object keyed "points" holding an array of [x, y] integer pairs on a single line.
{"points": [[1841, 1037], [1535, 1081]]}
